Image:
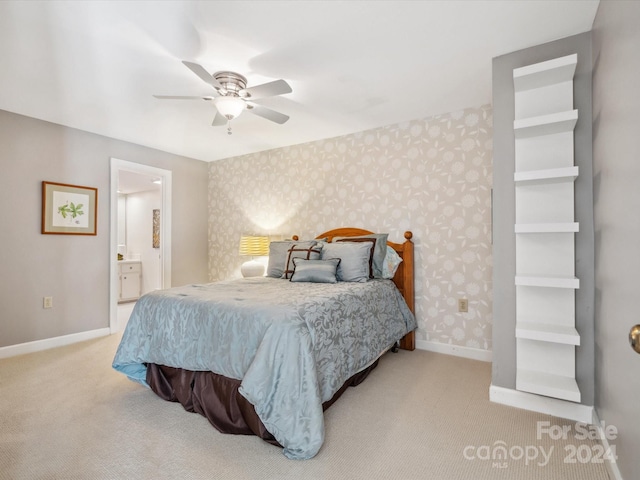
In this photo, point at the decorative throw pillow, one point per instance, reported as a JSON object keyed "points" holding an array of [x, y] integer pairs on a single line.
{"points": [[316, 271], [372, 240], [354, 259], [279, 253], [297, 251], [379, 252], [391, 262]]}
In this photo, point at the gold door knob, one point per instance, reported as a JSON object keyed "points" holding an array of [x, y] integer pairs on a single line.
{"points": [[634, 338]]}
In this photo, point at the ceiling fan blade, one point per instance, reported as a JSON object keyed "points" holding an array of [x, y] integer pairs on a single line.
{"points": [[267, 113], [181, 97], [219, 120], [271, 89], [204, 75]]}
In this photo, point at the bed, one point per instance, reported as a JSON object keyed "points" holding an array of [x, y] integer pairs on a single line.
{"points": [[266, 356]]}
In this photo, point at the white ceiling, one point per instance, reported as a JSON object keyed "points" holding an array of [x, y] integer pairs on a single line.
{"points": [[353, 65]]}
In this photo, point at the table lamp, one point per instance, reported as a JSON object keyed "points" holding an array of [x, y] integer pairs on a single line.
{"points": [[253, 246]]}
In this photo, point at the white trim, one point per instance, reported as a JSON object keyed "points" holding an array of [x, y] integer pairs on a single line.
{"points": [[165, 229], [540, 404], [612, 465], [455, 350], [47, 343]]}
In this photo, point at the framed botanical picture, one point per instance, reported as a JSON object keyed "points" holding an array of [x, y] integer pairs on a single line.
{"points": [[69, 209]]}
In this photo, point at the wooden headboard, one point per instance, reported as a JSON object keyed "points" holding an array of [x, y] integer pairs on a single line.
{"points": [[403, 277]]}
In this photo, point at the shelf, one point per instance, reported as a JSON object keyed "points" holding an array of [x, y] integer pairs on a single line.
{"points": [[547, 227], [545, 73], [548, 333], [546, 124], [556, 386], [547, 281], [554, 175]]}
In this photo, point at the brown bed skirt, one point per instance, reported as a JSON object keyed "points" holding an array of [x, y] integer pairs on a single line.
{"points": [[216, 397]]}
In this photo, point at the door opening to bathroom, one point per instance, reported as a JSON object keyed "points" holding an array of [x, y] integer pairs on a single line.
{"points": [[140, 234]]}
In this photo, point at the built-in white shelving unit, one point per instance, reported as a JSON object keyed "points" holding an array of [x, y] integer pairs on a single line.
{"points": [[545, 228]]}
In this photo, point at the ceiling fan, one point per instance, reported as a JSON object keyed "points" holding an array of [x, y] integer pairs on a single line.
{"points": [[232, 96]]}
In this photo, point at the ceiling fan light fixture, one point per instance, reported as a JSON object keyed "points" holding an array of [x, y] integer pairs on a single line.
{"points": [[232, 90], [229, 107]]}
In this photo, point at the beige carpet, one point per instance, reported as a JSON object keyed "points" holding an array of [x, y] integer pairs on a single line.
{"points": [[65, 414]]}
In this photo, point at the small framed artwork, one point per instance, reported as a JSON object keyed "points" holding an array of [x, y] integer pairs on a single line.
{"points": [[69, 209]]}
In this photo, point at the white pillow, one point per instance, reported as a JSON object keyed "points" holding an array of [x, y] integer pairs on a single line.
{"points": [[391, 262]]}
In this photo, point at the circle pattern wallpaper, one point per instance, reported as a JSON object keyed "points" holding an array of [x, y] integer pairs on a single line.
{"points": [[431, 176]]}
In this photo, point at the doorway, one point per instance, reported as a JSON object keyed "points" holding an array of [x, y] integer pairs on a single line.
{"points": [[122, 172]]}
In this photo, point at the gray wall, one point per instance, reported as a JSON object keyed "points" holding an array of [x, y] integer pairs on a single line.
{"points": [[504, 342], [616, 159], [75, 269]]}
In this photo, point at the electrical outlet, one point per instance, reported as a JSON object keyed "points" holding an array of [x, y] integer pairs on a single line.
{"points": [[47, 302], [463, 305]]}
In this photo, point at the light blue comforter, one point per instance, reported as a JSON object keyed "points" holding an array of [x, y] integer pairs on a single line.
{"points": [[293, 345]]}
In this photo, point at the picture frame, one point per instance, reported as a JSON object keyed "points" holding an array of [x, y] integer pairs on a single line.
{"points": [[69, 209], [156, 228]]}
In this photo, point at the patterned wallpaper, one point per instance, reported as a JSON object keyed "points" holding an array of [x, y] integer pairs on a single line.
{"points": [[432, 176]]}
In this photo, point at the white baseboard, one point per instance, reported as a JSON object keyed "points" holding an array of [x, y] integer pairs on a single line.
{"points": [[456, 350], [540, 404], [47, 343], [612, 466]]}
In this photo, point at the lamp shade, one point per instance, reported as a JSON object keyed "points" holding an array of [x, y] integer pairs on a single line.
{"points": [[254, 246], [229, 107]]}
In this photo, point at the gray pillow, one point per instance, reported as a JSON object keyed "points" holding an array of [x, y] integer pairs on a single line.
{"points": [[354, 259], [379, 252], [279, 253], [373, 241], [297, 251], [316, 271]]}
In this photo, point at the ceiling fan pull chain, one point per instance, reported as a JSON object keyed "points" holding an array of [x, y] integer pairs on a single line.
{"points": [[229, 127]]}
